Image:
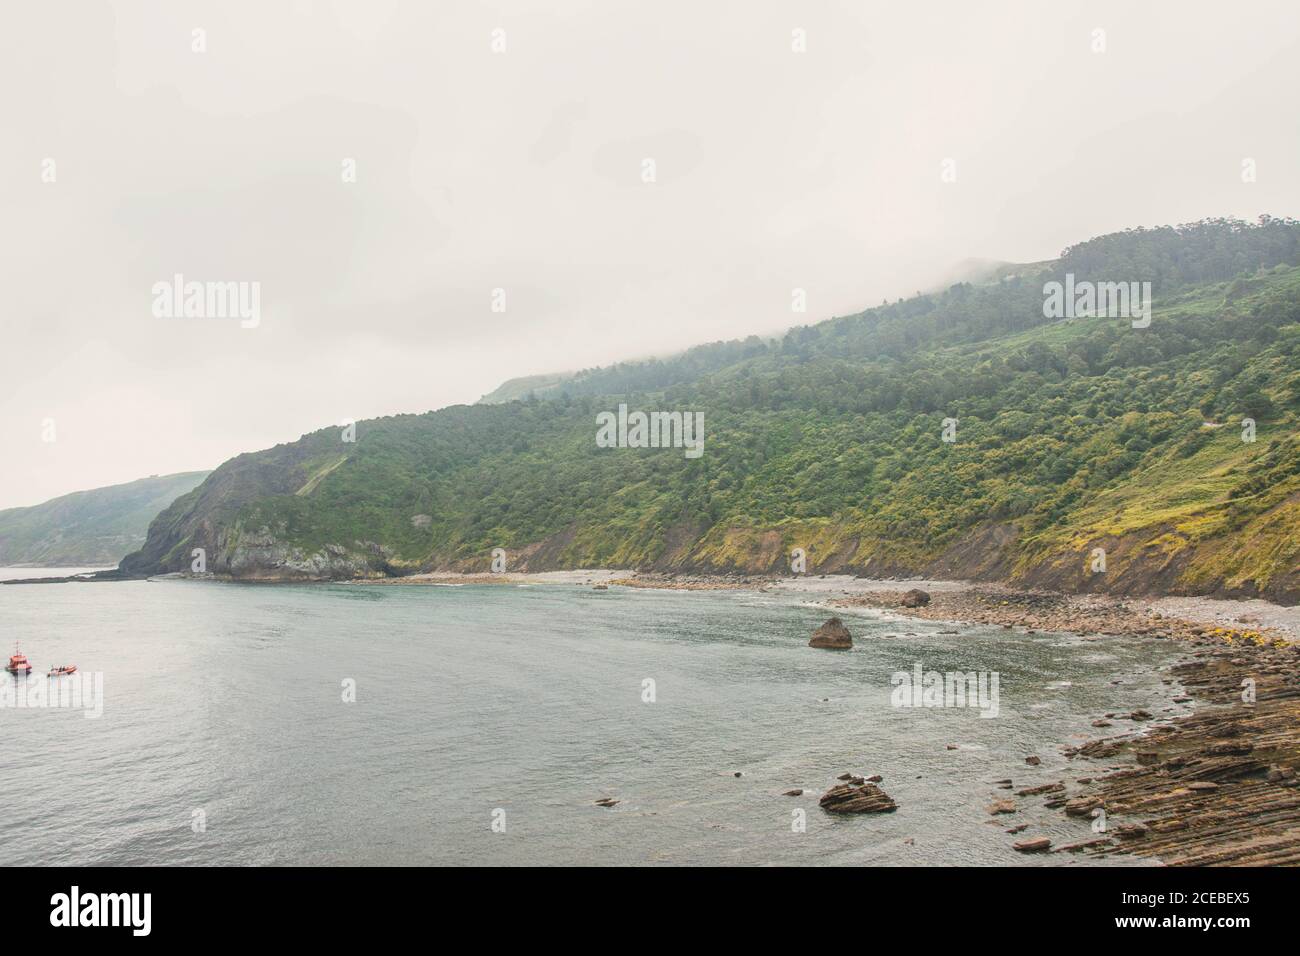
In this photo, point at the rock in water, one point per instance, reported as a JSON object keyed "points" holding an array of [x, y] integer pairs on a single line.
{"points": [[916, 598], [1039, 845], [832, 634], [846, 798]]}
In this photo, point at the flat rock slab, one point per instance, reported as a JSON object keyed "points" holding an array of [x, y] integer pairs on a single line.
{"points": [[1039, 845]]}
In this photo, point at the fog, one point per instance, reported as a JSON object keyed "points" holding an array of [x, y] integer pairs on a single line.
{"points": [[388, 172]]}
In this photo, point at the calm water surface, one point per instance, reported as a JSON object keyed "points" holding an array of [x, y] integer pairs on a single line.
{"points": [[228, 699]]}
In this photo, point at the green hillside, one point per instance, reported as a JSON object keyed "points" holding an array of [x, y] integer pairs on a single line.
{"points": [[89, 528], [1071, 435]]}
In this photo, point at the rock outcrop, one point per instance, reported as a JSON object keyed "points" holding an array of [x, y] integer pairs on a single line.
{"points": [[833, 635], [861, 798], [1214, 788]]}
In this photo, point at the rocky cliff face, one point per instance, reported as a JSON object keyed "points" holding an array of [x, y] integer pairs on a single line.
{"points": [[258, 555], [989, 554], [207, 518]]}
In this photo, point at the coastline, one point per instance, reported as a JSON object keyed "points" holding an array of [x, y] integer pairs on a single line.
{"points": [[1216, 787], [951, 600]]}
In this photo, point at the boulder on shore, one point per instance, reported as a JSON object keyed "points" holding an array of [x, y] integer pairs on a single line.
{"points": [[915, 598], [848, 798], [833, 634]]}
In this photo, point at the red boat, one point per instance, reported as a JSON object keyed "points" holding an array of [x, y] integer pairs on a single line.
{"points": [[62, 670], [18, 663]]}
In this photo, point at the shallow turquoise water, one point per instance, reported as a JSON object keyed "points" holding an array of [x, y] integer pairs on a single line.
{"points": [[227, 700]]}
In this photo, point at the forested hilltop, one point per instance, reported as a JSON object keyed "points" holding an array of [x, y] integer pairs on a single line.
{"points": [[1071, 435]]}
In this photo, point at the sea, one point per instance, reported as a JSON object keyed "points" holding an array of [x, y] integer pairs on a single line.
{"points": [[332, 724]]}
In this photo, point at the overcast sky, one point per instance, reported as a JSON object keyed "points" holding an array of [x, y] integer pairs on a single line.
{"points": [[130, 156]]}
